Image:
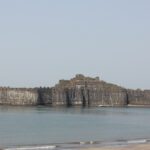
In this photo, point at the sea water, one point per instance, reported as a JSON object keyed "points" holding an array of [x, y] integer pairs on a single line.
{"points": [[46, 127]]}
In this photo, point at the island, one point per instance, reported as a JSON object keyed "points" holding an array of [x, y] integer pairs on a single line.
{"points": [[78, 91]]}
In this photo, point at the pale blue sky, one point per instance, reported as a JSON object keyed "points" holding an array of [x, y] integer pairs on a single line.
{"points": [[42, 41]]}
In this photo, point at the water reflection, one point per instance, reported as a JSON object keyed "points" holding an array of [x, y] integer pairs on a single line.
{"points": [[74, 110], [32, 125]]}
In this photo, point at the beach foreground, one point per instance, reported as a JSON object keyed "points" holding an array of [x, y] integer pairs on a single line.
{"points": [[129, 147]]}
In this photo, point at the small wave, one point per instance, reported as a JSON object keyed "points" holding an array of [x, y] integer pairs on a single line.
{"points": [[72, 145], [82, 143], [48, 147], [137, 141]]}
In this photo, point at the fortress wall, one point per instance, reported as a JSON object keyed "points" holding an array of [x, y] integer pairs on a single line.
{"points": [[138, 97], [107, 98], [10, 96], [86, 91], [73, 96], [83, 91], [44, 96], [59, 96], [88, 97]]}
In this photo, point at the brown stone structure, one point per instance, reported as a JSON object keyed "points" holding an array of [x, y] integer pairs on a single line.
{"points": [[80, 90], [18, 96], [88, 91], [138, 97]]}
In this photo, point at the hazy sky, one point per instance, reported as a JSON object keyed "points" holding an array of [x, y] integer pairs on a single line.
{"points": [[42, 41]]}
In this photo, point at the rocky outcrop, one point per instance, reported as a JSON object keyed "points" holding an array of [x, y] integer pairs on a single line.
{"points": [[80, 90]]}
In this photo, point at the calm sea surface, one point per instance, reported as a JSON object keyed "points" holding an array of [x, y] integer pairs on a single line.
{"points": [[45, 125]]}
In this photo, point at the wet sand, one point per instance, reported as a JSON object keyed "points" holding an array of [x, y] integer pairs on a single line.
{"points": [[129, 147]]}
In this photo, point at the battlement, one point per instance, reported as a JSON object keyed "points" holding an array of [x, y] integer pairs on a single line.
{"points": [[78, 81], [80, 90], [82, 77]]}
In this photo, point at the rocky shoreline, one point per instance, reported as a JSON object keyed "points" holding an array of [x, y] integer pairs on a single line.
{"points": [[78, 91]]}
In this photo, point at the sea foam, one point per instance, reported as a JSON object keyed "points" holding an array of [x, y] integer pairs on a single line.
{"points": [[137, 141], [48, 147]]}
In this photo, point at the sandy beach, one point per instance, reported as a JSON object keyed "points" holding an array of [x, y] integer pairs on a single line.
{"points": [[129, 147]]}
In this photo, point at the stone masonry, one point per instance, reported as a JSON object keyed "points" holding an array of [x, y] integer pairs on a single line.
{"points": [[78, 91]]}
